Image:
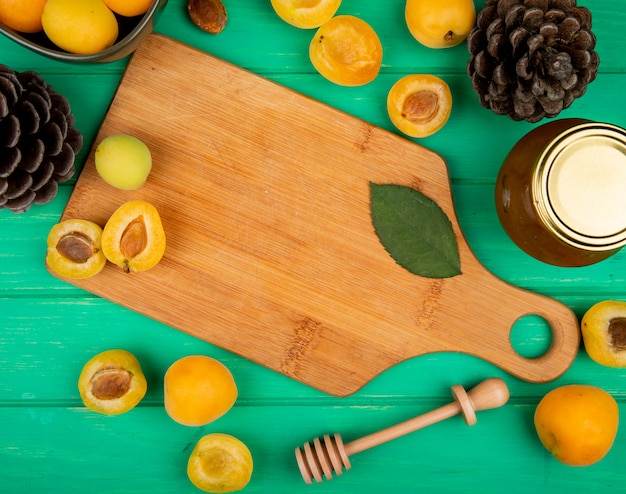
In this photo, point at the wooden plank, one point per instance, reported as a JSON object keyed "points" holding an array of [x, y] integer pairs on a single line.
{"points": [[144, 451], [22, 270], [59, 335], [264, 195]]}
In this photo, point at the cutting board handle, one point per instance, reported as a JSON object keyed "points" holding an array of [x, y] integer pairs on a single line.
{"points": [[510, 305]]}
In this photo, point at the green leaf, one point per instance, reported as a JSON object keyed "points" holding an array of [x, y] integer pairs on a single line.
{"points": [[415, 231]]}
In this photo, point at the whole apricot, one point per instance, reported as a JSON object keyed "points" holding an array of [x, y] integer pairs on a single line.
{"points": [[440, 24], [112, 382], [198, 390], [306, 14], [347, 51], [123, 161], [577, 423], [84, 27], [75, 249], [22, 15], [604, 333], [220, 463], [419, 104], [129, 8], [133, 237]]}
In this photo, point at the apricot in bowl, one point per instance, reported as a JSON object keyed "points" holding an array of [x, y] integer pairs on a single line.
{"points": [[306, 14], [129, 8], [419, 104], [347, 51], [220, 463], [198, 390], [132, 32], [75, 249], [112, 382], [83, 28], [133, 237], [22, 15]]}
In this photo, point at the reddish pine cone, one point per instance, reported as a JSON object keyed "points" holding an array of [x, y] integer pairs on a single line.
{"points": [[531, 59], [38, 140]]}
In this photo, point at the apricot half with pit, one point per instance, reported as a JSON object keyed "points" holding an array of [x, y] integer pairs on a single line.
{"points": [[604, 333], [419, 104], [112, 382], [347, 51], [133, 237], [75, 249]]}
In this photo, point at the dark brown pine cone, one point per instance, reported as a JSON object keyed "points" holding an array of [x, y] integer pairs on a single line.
{"points": [[38, 140], [531, 58]]}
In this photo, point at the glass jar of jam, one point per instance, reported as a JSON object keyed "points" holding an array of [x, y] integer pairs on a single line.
{"points": [[561, 192]]}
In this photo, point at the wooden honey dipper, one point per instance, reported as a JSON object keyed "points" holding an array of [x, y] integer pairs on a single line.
{"points": [[322, 457]]}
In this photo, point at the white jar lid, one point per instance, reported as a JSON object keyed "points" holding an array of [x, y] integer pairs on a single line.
{"points": [[579, 186]]}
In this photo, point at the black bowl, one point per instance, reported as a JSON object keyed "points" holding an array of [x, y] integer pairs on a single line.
{"points": [[133, 30]]}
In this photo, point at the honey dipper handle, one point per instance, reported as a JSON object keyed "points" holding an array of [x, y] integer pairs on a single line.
{"points": [[491, 393]]}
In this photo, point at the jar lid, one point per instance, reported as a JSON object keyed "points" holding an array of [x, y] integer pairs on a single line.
{"points": [[579, 186]]}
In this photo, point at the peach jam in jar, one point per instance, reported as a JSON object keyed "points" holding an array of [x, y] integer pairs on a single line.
{"points": [[561, 192]]}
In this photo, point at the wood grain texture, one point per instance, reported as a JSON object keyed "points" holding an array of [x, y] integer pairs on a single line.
{"points": [[264, 196], [49, 442]]}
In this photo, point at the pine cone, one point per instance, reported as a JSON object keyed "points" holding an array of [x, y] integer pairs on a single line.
{"points": [[531, 58], [38, 140]]}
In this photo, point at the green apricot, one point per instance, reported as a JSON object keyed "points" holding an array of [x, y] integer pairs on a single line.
{"points": [[123, 161]]}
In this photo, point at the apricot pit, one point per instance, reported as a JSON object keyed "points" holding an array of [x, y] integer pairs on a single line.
{"points": [[75, 249], [133, 237], [419, 104], [112, 382], [208, 15]]}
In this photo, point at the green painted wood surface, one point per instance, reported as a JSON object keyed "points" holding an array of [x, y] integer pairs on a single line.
{"points": [[50, 443]]}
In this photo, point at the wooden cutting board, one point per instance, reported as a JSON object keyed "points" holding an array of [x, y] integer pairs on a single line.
{"points": [[271, 252]]}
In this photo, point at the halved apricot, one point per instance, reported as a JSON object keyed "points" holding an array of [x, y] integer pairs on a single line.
{"points": [[75, 249], [112, 382], [347, 51], [306, 14], [604, 333], [133, 237], [220, 463], [419, 104]]}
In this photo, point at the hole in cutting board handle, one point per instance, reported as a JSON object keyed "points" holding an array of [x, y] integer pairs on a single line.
{"points": [[531, 336]]}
